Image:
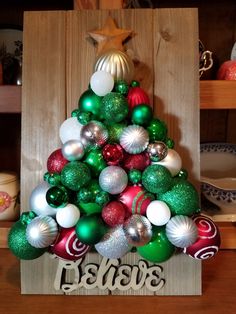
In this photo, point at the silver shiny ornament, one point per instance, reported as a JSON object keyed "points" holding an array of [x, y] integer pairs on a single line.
{"points": [[157, 151], [42, 231], [38, 202], [94, 134], [181, 231], [134, 139], [73, 150], [113, 179], [138, 230], [114, 243], [117, 63]]}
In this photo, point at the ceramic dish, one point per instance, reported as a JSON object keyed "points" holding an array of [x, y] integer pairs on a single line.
{"points": [[218, 179]]}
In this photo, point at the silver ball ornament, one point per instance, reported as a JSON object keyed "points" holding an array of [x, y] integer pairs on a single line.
{"points": [[157, 151], [42, 231], [138, 230], [134, 139], [73, 150], [113, 179], [181, 231], [94, 134]]}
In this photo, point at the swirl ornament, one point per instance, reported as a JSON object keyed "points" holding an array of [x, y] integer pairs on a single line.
{"points": [[134, 139]]}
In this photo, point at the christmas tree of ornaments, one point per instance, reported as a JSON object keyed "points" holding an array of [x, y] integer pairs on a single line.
{"points": [[117, 184]]}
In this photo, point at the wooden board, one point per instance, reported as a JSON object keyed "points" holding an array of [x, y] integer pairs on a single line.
{"points": [[56, 77]]}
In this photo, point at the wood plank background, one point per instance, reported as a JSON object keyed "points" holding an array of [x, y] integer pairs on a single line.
{"points": [[58, 63]]}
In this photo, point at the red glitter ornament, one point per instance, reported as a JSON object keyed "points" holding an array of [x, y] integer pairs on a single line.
{"points": [[113, 154], [68, 246], [137, 96], [208, 242], [136, 161], [114, 213], [56, 161], [136, 199]]}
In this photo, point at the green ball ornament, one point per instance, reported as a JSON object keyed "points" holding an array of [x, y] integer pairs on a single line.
{"points": [[159, 249], [157, 179], [74, 113], [115, 130], [114, 107], [183, 174], [157, 130], [54, 179], [90, 102], [134, 84], [89, 208], [90, 229], [135, 176], [57, 196], [27, 217], [85, 117], [95, 161], [102, 198], [121, 87], [182, 199], [142, 114], [75, 175], [170, 143], [84, 195], [19, 245]]}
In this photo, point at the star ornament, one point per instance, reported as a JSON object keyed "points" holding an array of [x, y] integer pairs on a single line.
{"points": [[110, 36]]}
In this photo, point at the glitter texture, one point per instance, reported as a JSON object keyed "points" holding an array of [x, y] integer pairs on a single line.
{"points": [[75, 175]]}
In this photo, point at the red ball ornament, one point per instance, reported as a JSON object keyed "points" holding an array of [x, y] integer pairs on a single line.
{"points": [[56, 161], [114, 213], [68, 246], [113, 154], [136, 199], [136, 161], [137, 96], [208, 242]]}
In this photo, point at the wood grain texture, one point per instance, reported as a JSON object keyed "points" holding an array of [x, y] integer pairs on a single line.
{"points": [[10, 99], [4, 230]]}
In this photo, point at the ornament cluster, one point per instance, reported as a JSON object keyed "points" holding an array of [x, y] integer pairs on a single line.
{"points": [[115, 185]]}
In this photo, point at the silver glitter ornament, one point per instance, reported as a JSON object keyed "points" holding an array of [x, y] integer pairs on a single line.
{"points": [[138, 230], [94, 134], [181, 231], [114, 243], [134, 139], [73, 150], [42, 231], [113, 179], [157, 151]]}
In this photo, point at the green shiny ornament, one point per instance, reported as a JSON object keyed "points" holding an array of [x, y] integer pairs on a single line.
{"points": [[135, 84], [84, 195], [19, 245], [182, 199], [27, 217], [85, 117], [157, 179], [102, 198], [159, 249], [183, 174], [170, 143], [74, 113], [114, 107], [95, 161], [157, 130], [75, 175], [52, 178], [90, 102], [115, 130], [90, 229], [57, 196], [121, 87], [142, 114], [135, 176], [90, 208]]}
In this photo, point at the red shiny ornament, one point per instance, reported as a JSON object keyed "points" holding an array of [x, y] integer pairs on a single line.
{"points": [[227, 71], [114, 213], [113, 154], [136, 199], [208, 242], [137, 96], [56, 161], [137, 161], [68, 246]]}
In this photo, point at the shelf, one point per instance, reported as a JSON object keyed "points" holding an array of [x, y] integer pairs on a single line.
{"points": [[10, 99], [4, 230]]}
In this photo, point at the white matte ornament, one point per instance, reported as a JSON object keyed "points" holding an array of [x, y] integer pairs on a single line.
{"points": [[70, 130], [73, 150], [68, 216], [158, 213], [113, 179], [172, 162], [101, 83]]}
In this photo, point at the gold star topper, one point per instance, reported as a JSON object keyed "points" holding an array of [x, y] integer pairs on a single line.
{"points": [[110, 36]]}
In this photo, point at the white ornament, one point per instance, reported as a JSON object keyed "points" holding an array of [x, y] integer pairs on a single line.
{"points": [[70, 130], [101, 83], [68, 216], [172, 162], [158, 213]]}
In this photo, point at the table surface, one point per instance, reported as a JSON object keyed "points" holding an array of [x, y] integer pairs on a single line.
{"points": [[219, 294]]}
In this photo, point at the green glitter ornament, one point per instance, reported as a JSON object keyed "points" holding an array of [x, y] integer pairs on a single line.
{"points": [[114, 107], [75, 175], [115, 130], [157, 130], [170, 143], [95, 161], [84, 195], [121, 87], [141, 114], [182, 199], [52, 178], [90, 102], [135, 176], [57, 196], [85, 117], [157, 179], [19, 245], [102, 198]]}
